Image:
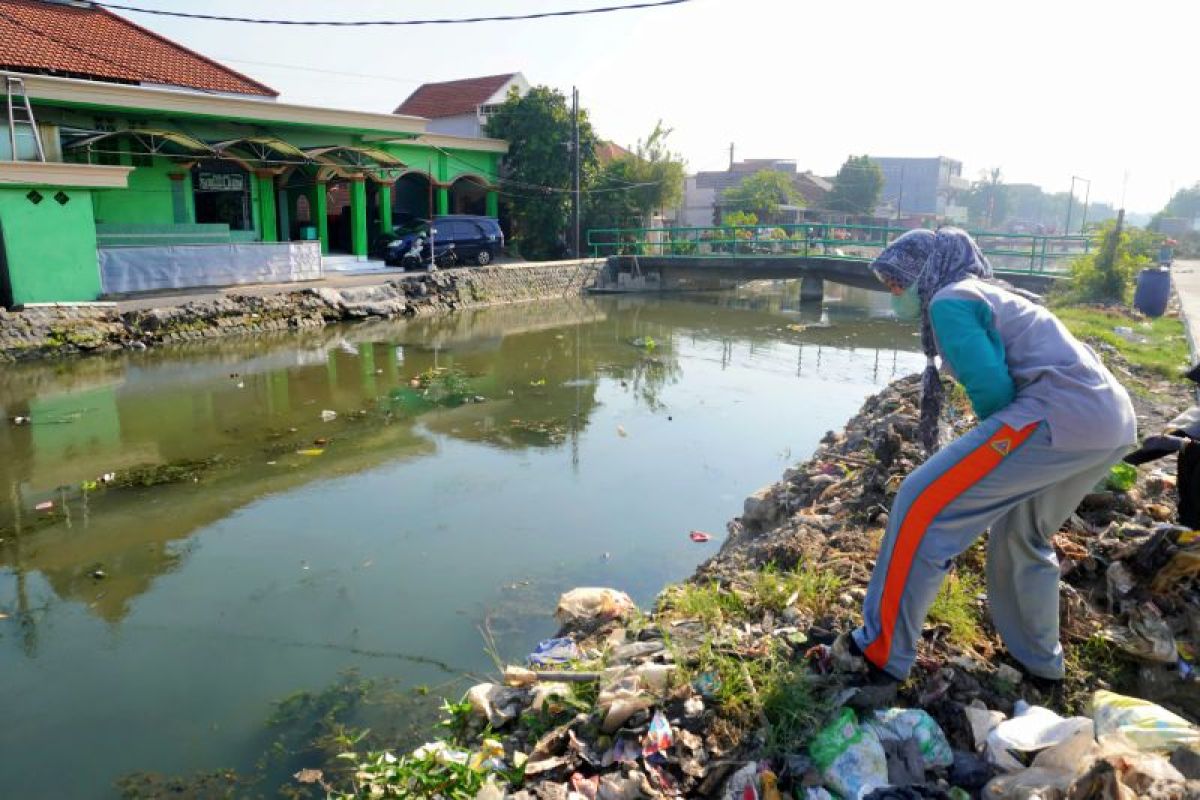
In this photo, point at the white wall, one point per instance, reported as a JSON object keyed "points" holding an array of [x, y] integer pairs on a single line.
{"points": [[462, 125]]}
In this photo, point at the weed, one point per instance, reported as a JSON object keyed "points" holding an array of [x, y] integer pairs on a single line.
{"points": [[707, 602], [957, 607], [458, 718], [810, 588], [381, 774]]}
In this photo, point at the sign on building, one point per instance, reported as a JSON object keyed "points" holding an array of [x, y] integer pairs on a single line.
{"points": [[220, 182]]}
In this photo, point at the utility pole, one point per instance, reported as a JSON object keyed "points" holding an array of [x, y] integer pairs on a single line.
{"points": [[575, 152], [1071, 201], [731, 156]]}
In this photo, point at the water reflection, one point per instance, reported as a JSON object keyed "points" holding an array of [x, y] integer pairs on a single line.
{"points": [[605, 429]]}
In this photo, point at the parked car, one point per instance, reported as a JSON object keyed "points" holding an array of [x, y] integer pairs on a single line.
{"points": [[476, 240]]}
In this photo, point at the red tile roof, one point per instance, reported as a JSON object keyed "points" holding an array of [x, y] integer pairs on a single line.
{"points": [[451, 98], [610, 151], [81, 40]]}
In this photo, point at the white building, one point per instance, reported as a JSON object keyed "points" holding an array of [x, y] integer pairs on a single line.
{"points": [[462, 107]]}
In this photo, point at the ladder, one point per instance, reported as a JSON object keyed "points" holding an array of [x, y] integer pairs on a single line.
{"points": [[21, 113]]}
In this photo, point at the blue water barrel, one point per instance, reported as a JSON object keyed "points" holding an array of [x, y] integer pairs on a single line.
{"points": [[1153, 291]]}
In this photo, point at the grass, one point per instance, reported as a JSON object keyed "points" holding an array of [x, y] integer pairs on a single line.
{"points": [[1164, 352], [1096, 657], [810, 588], [957, 607], [707, 602]]}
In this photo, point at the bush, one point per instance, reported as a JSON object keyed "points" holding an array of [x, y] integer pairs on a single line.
{"points": [[1106, 275]]}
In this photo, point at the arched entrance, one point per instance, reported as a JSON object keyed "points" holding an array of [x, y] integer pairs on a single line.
{"points": [[468, 195], [337, 212], [412, 198]]}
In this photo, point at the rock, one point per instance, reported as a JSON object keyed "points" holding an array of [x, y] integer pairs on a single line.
{"points": [[1009, 674], [762, 509]]}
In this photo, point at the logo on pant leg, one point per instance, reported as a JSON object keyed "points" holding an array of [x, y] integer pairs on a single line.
{"points": [[1002, 446]]}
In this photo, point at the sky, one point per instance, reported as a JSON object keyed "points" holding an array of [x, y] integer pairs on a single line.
{"points": [[1048, 89]]}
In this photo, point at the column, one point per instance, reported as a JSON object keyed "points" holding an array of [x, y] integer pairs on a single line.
{"points": [[385, 207], [493, 203], [443, 200], [443, 189], [319, 205], [267, 215], [358, 216], [812, 289], [178, 199]]}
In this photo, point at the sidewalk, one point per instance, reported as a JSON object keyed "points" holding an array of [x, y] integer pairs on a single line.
{"points": [[1185, 275]]}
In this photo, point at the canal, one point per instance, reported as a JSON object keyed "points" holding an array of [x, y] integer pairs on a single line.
{"points": [[190, 534]]}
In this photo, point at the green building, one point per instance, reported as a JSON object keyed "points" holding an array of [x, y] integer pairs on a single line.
{"points": [[155, 168]]}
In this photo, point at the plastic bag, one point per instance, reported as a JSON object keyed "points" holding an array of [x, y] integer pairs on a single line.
{"points": [[590, 605], [850, 757], [1147, 726], [554, 651], [902, 724], [1031, 728]]}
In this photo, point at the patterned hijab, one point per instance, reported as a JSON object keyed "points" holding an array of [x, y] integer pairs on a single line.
{"points": [[932, 261]]}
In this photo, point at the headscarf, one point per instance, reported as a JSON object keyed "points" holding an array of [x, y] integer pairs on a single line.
{"points": [[932, 261]]}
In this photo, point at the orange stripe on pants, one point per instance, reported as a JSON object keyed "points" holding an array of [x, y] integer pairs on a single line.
{"points": [[939, 494]]}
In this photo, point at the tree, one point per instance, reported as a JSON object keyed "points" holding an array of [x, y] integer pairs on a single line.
{"points": [[987, 201], [762, 194], [631, 188], [857, 187], [538, 169]]}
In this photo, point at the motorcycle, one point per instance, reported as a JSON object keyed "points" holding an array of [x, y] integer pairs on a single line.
{"points": [[418, 256]]}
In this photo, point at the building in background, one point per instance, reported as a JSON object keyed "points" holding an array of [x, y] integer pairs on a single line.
{"points": [[143, 155], [462, 107], [922, 187], [702, 192]]}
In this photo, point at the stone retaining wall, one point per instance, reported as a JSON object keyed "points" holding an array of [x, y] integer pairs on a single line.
{"points": [[49, 331]]}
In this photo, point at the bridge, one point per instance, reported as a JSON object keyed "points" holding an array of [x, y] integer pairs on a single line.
{"points": [[706, 258]]}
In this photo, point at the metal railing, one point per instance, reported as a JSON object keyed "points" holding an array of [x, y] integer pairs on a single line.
{"points": [[1008, 252]]}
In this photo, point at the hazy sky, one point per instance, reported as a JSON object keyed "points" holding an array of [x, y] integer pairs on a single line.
{"points": [[1044, 89]]}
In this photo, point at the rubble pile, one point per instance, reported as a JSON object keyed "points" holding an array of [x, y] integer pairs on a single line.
{"points": [[728, 688]]}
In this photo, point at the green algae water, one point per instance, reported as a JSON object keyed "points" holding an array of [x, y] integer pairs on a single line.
{"points": [[190, 534]]}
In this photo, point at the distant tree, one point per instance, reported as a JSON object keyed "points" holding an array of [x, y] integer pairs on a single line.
{"points": [[987, 201], [631, 188], [857, 186], [538, 169], [762, 194], [1185, 203]]}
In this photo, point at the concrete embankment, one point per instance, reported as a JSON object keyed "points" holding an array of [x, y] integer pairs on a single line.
{"points": [[50, 331]]}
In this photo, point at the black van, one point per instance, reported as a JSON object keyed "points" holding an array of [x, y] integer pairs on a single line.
{"points": [[476, 239]]}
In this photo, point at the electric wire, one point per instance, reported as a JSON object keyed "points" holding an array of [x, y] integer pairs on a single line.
{"points": [[392, 22]]}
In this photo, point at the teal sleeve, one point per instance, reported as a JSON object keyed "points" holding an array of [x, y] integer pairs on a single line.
{"points": [[969, 341]]}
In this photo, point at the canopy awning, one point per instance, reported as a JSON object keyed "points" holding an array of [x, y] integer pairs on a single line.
{"points": [[263, 148], [155, 140], [354, 156]]}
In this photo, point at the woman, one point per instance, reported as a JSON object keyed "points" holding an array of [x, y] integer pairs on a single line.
{"points": [[1052, 421]]}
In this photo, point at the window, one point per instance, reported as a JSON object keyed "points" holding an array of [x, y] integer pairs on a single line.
{"points": [[488, 109], [222, 193]]}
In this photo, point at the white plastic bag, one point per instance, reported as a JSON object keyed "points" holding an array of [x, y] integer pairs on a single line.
{"points": [[1031, 728], [850, 757]]}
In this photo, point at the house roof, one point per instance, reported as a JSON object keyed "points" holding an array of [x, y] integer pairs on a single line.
{"points": [[610, 151], [80, 40], [451, 98]]}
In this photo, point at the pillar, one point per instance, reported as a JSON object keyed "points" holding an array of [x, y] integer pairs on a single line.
{"points": [[320, 213], [493, 203], [385, 207], [812, 289], [443, 200], [358, 216], [267, 215], [179, 213]]}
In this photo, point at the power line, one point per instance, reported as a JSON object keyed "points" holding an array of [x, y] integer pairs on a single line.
{"points": [[392, 22]]}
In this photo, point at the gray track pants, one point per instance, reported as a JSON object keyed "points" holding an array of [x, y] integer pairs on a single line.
{"points": [[1012, 481]]}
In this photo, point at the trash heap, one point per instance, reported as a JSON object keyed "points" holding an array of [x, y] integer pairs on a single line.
{"points": [[727, 689]]}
